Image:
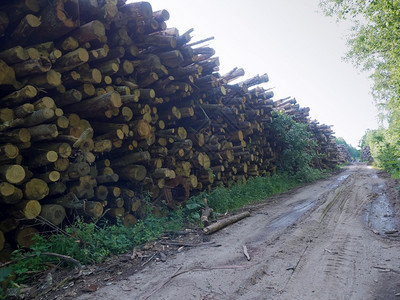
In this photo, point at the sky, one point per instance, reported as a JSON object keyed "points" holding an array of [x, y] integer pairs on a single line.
{"points": [[299, 48]]}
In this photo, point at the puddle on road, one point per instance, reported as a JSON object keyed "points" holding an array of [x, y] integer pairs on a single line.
{"points": [[298, 210], [280, 222], [292, 216], [379, 213], [339, 181]]}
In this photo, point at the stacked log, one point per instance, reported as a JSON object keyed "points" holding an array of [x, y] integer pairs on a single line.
{"points": [[366, 155], [327, 151], [101, 103], [344, 156]]}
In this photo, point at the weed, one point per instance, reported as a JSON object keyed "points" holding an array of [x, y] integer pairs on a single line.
{"points": [[94, 242]]}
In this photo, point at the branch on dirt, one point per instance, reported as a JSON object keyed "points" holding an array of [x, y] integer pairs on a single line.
{"points": [[386, 269], [225, 222], [147, 261], [245, 252], [63, 257], [188, 244]]}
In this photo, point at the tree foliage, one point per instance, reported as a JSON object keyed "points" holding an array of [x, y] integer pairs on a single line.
{"points": [[374, 46], [297, 144]]}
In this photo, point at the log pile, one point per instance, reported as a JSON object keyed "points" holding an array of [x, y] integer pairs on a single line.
{"points": [[101, 103], [366, 155], [344, 156]]}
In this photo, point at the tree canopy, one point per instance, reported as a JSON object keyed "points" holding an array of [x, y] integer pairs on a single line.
{"points": [[373, 46]]}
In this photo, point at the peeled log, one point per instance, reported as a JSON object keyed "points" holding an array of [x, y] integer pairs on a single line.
{"points": [[36, 189], [53, 213]]}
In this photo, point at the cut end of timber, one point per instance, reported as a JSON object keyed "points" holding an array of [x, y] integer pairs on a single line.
{"points": [[53, 78], [24, 135], [6, 189], [31, 209], [52, 156], [11, 151], [116, 99], [143, 129], [15, 174]]}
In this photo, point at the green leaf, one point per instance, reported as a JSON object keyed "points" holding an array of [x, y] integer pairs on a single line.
{"points": [[4, 272]]}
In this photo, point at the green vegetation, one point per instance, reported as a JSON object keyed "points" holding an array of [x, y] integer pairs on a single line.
{"points": [[298, 148], [354, 153], [385, 149], [95, 242], [90, 243], [373, 47]]}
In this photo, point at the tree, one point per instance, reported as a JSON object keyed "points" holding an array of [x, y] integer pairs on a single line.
{"points": [[297, 144], [373, 46]]}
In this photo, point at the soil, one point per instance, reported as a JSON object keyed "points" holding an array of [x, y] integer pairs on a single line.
{"points": [[336, 238]]}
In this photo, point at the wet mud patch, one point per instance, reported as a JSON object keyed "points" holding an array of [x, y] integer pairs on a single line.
{"points": [[379, 214], [291, 217]]}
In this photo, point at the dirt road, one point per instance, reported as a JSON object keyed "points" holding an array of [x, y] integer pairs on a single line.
{"points": [[333, 239]]}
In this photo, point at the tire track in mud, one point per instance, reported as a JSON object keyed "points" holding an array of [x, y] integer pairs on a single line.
{"points": [[310, 243], [339, 257]]}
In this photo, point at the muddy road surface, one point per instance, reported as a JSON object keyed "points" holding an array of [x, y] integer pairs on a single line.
{"points": [[333, 239]]}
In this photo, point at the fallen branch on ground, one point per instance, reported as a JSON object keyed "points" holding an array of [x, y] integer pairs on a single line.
{"points": [[188, 244], [225, 222], [63, 257], [245, 252]]}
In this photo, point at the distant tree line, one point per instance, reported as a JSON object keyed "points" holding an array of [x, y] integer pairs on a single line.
{"points": [[373, 46]]}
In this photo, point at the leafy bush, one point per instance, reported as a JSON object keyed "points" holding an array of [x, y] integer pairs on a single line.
{"points": [[92, 243], [297, 144]]}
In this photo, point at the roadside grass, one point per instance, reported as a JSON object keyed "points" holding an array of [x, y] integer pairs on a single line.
{"points": [[91, 243]]}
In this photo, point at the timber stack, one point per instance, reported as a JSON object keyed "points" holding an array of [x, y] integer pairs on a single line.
{"points": [[101, 103], [344, 156], [366, 155]]}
